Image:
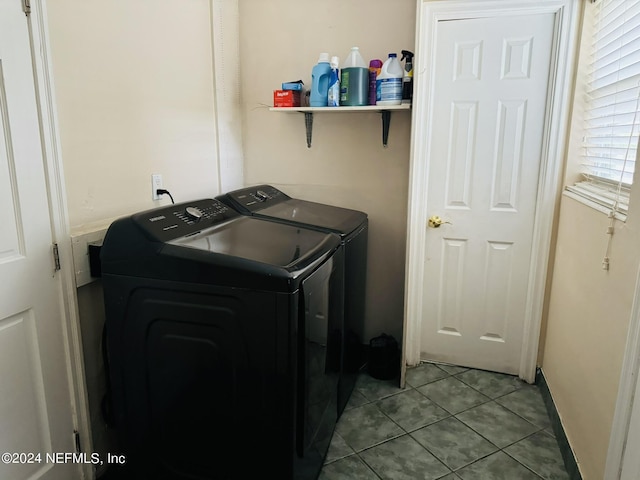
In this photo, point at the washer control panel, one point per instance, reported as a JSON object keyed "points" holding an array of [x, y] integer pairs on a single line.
{"points": [[255, 198], [174, 221]]}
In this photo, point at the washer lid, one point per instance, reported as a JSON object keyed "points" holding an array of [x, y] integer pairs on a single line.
{"points": [[205, 241], [316, 215], [266, 201], [257, 240]]}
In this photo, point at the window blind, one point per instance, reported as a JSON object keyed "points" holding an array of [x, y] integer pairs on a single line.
{"points": [[612, 126]]}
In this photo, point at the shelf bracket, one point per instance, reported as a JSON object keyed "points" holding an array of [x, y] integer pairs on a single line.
{"points": [[386, 120], [308, 125]]}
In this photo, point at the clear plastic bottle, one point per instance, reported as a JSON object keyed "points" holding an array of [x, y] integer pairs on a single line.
{"points": [[354, 80], [389, 82], [320, 82]]}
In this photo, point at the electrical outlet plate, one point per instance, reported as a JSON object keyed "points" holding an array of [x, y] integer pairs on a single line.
{"points": [[156, 183]]}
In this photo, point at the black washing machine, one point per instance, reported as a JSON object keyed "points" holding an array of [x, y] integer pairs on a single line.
{"points": [[223, 341], [269, 203]]}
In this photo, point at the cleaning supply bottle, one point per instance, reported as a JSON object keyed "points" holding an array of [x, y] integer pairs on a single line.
{"points": [[333, 98], [354, 80], [407, 79], [374, 70], [320, 82], [389, 82]]}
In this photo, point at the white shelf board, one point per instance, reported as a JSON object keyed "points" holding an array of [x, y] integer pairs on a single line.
{"points": [[367, 108]]}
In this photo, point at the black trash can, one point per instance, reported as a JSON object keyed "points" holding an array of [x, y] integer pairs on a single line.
{"points": [[384, 357]]}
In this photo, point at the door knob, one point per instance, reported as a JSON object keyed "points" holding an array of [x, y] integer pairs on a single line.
{"points": [[435, 221]]}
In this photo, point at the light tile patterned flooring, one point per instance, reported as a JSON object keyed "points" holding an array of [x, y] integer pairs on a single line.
{"points": [[449, 423]]}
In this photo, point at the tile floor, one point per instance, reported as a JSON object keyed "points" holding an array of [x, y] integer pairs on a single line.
{"points": [[449, 423]]}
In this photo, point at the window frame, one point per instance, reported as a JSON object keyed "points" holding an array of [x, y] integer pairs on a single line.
{"points": [[608, 195]]}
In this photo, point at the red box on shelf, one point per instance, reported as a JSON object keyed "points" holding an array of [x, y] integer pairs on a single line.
{"points": [[286, 98]]}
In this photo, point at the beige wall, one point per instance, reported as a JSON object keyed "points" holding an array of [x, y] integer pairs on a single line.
{"points": [[346, 165], [135, 96], [589, 313], [134, 88], [588, 309]]}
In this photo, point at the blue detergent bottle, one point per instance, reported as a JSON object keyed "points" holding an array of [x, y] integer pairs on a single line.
{"points": [[320, 82]]}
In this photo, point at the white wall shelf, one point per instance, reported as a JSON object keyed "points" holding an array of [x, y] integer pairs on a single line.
{"points": [[385, 111]]}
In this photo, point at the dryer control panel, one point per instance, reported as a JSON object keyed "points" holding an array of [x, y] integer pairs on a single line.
{"points": [[256, 198], [184, 219]]}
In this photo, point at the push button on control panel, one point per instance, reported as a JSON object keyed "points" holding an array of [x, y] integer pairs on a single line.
{"points": [[258, 197], [175, 221], [192, 215]]}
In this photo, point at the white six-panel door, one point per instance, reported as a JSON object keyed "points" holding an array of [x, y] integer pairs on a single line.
{"points": [[492, 90], [491, 78], [35, 394]]}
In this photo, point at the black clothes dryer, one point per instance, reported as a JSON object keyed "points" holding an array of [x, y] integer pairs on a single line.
{"points": [[223, 340], [267, 202]]}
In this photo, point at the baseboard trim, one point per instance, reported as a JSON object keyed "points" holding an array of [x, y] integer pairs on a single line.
{"points": [[565, 449]]}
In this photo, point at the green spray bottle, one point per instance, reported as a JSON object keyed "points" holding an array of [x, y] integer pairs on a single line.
{"points": [[407, 79]]}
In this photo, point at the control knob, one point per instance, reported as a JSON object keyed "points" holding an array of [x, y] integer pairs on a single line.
{"points": [[194, 213], [261, 196]]}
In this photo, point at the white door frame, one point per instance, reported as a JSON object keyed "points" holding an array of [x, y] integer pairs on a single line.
{"points": [[625, 432], [225, 40], [429, 13], [45, 98]]}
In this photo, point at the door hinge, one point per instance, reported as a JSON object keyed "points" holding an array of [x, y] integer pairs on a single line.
{"points": [[26, 6], [76, 439], [56, 257]]}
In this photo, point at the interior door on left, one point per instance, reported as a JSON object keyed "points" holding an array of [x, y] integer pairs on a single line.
{"points": [[36, 411]]}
